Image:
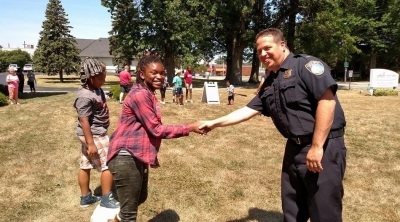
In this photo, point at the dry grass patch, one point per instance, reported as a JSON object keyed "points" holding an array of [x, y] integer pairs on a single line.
{"points": [[233, 174]]}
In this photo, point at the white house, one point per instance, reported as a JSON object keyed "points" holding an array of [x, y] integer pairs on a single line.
{"points": [[99, 49]]}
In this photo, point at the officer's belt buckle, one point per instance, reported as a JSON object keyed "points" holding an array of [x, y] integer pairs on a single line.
{"points": [[297, 140]]}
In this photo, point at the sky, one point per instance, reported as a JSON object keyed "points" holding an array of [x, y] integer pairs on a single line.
{"points": [[21, 20]]}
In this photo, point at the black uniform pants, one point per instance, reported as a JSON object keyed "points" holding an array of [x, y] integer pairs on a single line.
{"points": [[305, 194]]}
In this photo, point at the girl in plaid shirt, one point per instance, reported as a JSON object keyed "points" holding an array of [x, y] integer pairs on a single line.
{"points": [[136, 141]]}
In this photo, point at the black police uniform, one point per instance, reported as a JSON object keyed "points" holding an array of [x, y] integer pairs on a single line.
{"points": [[290, 97]]}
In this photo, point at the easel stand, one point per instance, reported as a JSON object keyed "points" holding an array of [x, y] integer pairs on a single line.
{"points": [[210, 93]]}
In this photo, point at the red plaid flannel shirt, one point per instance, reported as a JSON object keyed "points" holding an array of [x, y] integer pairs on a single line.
{"points": [[139, 129]]}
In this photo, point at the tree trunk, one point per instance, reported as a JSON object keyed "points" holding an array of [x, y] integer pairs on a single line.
{"points": [[259, 21], [170, 66], [291, 31], [61, 74], [372, 61], [255, 65], [234, 60]]}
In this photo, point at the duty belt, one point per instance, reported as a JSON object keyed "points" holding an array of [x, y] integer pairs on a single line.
{"points": [[308, 138]]}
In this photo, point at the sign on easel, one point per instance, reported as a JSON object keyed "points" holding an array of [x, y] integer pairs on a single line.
{"points": [[210, 93]]}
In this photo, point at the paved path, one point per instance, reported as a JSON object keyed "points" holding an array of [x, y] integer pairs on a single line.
{"points": [[27, 89]]}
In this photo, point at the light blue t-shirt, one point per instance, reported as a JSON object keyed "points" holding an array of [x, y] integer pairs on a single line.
{"points": [[177, 81]]}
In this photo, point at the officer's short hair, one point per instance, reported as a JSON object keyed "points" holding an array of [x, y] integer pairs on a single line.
{"points": [[276, 33]]}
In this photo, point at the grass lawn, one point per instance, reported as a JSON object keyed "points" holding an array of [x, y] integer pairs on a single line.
{"points": [[232, 174]]}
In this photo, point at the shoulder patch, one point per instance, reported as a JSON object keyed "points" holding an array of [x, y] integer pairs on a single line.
{"points": [[315, 67]]}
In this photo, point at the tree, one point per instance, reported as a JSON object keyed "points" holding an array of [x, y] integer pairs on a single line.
{"points": [[232, 20], [391, 56], [56, 51], [125, 33], [352, 30], [18, 57], [179, 30], [237, 24]]}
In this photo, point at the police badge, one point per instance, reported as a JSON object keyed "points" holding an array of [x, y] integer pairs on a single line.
{"points": [[315, 67], [287, 74]]}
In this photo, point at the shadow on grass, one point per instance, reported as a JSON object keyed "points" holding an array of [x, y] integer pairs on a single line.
{"points": [[110, 83], [66, 81], [56, 79], [260, 215], [39, 94], [166, 216]]}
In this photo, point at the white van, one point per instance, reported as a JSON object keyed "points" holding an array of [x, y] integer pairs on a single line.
{"points": [[27, 67], [13, 66]]}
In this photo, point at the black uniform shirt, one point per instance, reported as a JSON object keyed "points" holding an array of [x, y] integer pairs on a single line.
{"points": [[290, 96]]}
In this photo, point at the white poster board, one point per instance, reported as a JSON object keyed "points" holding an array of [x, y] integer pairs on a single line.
{"points": [[210, 93], [102, 214], [383, 78]]}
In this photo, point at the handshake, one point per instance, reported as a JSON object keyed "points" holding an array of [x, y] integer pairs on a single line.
{"points": [[201, 127]]}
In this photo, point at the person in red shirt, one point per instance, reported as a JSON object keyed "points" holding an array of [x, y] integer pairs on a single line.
{"points": [[188, 78], [137, 138], [125, 82]]}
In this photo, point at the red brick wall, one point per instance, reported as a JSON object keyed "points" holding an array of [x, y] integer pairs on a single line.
{"points": [[246, 70]]}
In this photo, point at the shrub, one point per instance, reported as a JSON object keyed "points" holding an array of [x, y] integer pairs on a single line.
{"points": [[386, 92], [115, 90], [3, 100], [4, 89]]}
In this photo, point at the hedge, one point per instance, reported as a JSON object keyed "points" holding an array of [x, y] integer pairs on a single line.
{"points": [[386, 92]]}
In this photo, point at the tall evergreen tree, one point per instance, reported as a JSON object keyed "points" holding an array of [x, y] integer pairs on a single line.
{"points": [[57, 51]]}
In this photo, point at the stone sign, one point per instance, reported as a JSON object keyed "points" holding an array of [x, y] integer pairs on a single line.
{"points": [[383, 78]]}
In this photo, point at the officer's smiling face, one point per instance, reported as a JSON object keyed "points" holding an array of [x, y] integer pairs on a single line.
{"points": [[270, 52]]}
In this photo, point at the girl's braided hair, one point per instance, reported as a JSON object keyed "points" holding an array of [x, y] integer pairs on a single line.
{"points": [[90, 67], [143, 62]]}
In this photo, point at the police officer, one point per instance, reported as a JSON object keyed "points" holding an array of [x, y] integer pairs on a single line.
{"points": [[300, 97]]}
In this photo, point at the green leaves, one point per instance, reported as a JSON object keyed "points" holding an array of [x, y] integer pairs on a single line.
{"points": [[125, 33]]}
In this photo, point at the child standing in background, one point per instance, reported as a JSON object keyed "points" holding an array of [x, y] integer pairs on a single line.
{"points": [[136, 141], [31, 81], [231, 92], [163, 88], [93, 123], [13, 82], [177, 82]]}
